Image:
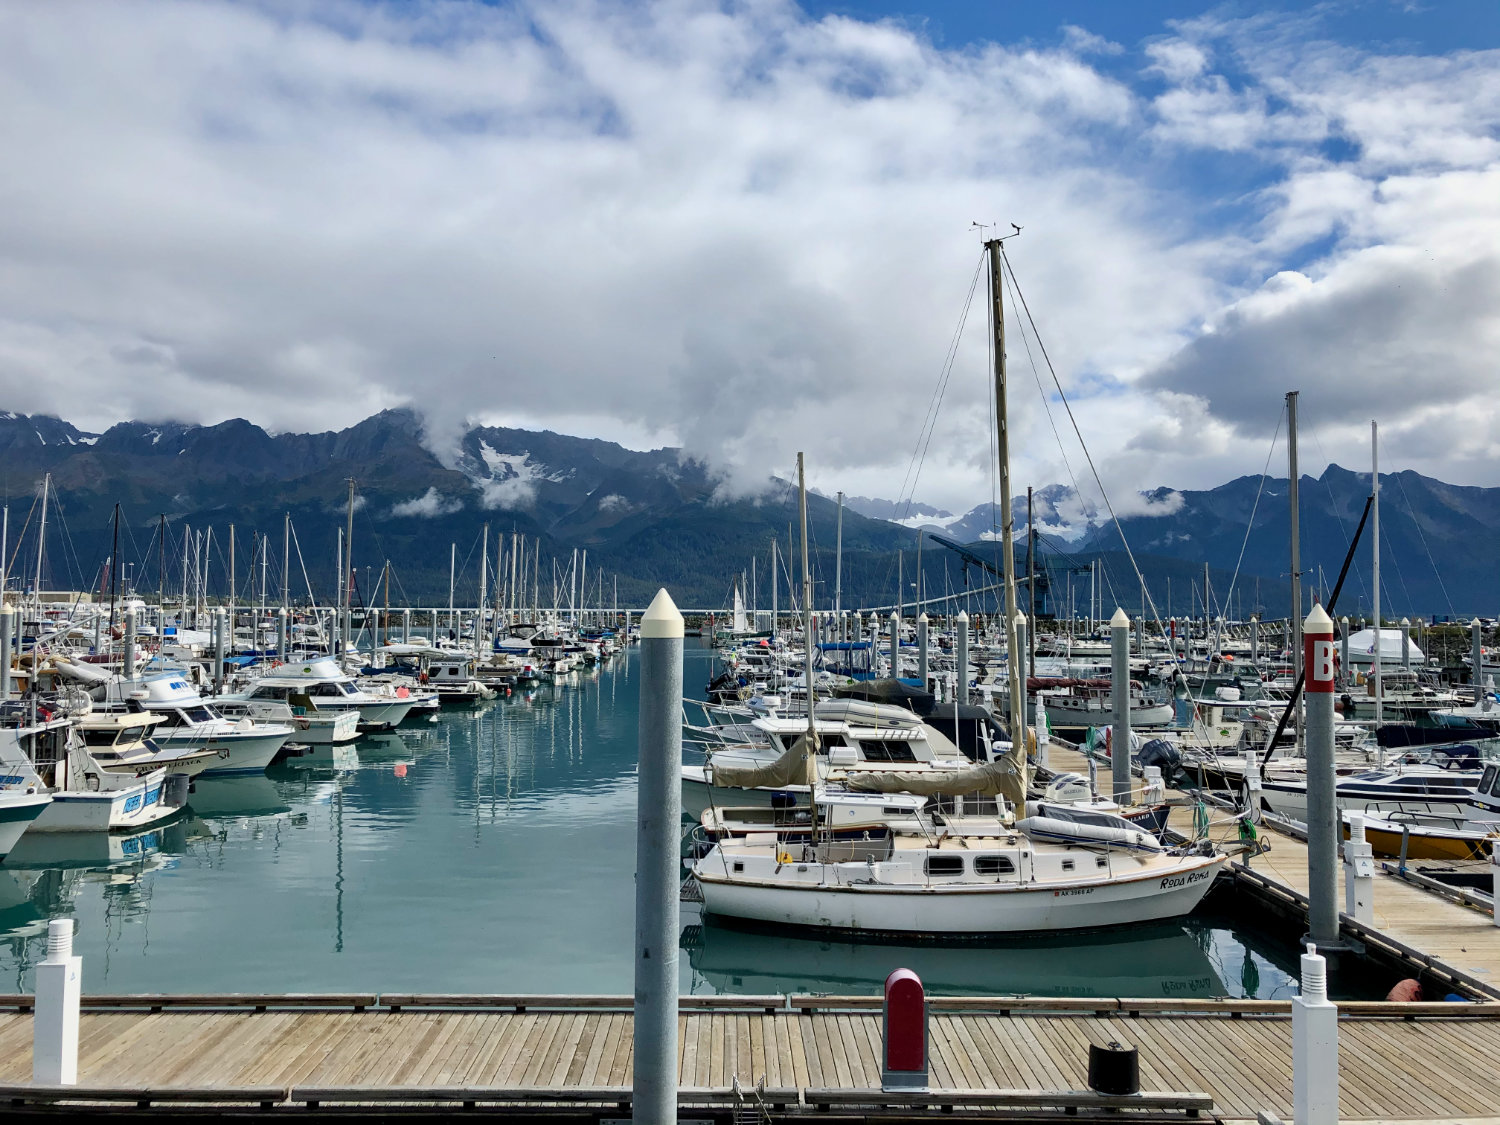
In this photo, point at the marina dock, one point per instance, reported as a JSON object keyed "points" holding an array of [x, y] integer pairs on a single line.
{"points": [[816, 1057], [1433, 935]]}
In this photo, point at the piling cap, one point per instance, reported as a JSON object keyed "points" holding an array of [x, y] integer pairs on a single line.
{"points": [[963, 616], [1474, 624], [921, 619], [1120, 620], [1318, 622], [1020, 618], [1405, 622], [662, 620], [895, 616]]}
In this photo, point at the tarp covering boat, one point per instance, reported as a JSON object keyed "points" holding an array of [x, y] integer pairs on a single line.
{"points": [[890, 691], [997, 778], [789, 769]]}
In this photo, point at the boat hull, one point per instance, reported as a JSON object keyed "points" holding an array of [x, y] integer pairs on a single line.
{"points": [[957, 910], [116, 810], [237, 753], [18, 812]]}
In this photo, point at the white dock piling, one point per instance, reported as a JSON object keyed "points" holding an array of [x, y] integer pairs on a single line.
{"points": [[1018, 636], [54, 1025], [281, 632], [5, 632], [1476, 631], [1315, 1046], [1322, 804], [657, 863], [1119, 691], [961, 659], [1495, 884], [922, 650], [128, 639], [895, 645], [1359, 873]]}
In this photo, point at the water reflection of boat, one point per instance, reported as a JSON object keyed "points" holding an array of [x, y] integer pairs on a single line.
{"points": [[384, 747], [20, 914], [1156, 960], [236, 796], [96, 849]]}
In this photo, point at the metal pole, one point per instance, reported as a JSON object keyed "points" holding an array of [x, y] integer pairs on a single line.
{"points": [[895, 645], [1255, 640], [657, 862], [1119, 692], [1022, 722], [281, 634], [1344, 668], [1379, 656], [218, 630], [1296, 553], [838, 566], [922, 650], [1322, 798], [1406, 644]]}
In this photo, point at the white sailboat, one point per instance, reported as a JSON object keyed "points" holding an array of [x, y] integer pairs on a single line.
{"points": [[1013, 875]]}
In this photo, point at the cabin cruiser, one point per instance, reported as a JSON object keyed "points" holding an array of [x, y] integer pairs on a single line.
{"points": [[331, 689], [1442, 786], [189, 722], [23, 796], [853, 736], [310, 726]]}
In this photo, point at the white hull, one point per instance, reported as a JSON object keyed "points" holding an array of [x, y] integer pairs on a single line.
{"points": [[18, 811], [1291, 802], [135, 806], [955, 909], [696, 792], [237, 753]]}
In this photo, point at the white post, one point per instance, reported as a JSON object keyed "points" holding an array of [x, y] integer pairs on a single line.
{"points": [[1119, 690], [1315, 1047], [1252, 778], [658, 863], [1155, 790], [1495, 884], [1359, 873], [895, 646], [54, 1025]]}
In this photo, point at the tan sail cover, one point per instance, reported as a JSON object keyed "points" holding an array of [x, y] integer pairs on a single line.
{"points": [[988, 778], [792, 768]]}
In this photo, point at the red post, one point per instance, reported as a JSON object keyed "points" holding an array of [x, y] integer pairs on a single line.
{"points": [[904, 1062], [1319, 653]]}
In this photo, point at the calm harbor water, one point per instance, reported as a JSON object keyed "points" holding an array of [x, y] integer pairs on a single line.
{"points": [[493, 851]]}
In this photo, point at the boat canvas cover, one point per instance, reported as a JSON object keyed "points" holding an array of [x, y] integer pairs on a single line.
{"points": [[789, 769], [997, 778]]}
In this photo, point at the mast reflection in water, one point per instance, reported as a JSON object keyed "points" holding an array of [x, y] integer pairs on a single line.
{"points": [[489, 851]]}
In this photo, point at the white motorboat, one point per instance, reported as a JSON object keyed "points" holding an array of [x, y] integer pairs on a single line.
{"points": [[19, 807], [311, 726], [86, 796], [1430, 790], [189, 722], [1009, 882], [853, 737], [331, 689]]}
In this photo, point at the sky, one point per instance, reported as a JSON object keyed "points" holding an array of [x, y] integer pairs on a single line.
{"points": [[747, 228]]}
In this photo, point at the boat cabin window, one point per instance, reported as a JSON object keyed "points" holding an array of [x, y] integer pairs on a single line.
{"points": [[945, 865], [324, 689], [269, 692], [993, 865], [198, 715], [1487, 782], [1067, 865], [878, 750], [98, 738]]}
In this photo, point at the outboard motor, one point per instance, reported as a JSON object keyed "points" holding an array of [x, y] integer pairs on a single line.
{"points": [[1162, 754]]}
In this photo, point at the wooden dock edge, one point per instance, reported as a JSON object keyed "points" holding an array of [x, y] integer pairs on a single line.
{"points": [[803, 1004], [1370, 936]]}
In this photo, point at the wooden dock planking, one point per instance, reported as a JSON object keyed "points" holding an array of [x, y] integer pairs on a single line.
{"points": [[1391, 1068], [1460, 936]]}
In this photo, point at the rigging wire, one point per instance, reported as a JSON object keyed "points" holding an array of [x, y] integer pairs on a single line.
{"points": [[1005, 258], [1412, 512]]}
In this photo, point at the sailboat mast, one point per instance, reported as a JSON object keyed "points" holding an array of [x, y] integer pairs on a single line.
{"points": [[41, 535], [286, 561], [349, 565], [838, 572], [484, 571], [1375, 576], [1293, 501], [807, 647], [1007, 531]]}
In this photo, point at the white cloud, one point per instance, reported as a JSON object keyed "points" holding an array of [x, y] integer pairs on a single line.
{"points": [[740, 229], [428, 505]]}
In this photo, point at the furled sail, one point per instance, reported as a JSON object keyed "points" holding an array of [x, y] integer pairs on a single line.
{"points": [[790, 769]]}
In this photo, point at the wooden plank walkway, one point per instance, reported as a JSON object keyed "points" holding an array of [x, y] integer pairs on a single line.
{"points": [[1459, 936], [1391, 1067]]}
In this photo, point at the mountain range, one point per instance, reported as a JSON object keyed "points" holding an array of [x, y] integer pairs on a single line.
{"points": [[661, 518]]}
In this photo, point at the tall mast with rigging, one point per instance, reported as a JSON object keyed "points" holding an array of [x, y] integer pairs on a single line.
{"points": [[1007, 535]]}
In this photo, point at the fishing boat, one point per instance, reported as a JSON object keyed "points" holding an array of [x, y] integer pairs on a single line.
{"points": [[189, 722], [331, 689], [87, 795]]}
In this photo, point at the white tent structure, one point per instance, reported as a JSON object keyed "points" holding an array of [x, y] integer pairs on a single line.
{"points": [[1362, 648]]}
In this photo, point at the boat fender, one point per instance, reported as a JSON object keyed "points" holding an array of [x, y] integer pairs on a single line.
{"points": [[785, 858]]}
